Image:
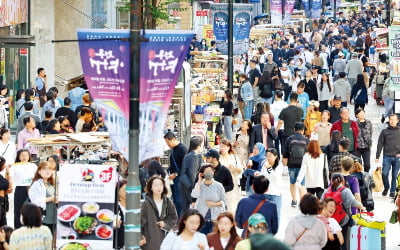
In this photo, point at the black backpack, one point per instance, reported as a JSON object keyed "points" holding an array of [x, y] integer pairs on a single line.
{"points": [[365, 183], [297, 149], [265, 84]]}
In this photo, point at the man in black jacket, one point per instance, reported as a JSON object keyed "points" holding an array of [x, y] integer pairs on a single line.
{"points": [[263, 132], [389, 142], [221, 173]]}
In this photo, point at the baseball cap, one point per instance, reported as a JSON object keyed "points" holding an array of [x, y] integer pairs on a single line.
{"points": [[340, 54], [336, 97], [354, 55], [256, 219], [212, 153]]}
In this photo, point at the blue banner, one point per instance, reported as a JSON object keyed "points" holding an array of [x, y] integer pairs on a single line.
{"points": [[306, 6], [316, 9], [105, 65], [241, 26], [161, 59]]}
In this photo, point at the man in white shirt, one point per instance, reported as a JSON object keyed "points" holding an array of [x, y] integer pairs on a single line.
{"points": [[276, 109]]}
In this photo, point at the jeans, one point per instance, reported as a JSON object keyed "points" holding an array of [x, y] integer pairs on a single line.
{"points": [[176, 196], [256, 93], [388, 102], [248, 109], [228, 127], [277, 199], [241, 108], [278, 141], [293, 173], [390, 162], [365, 154]]}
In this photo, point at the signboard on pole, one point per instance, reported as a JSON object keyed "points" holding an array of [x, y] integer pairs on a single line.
{"points": [[161, 59], [289, 7], [105, 63], [85, 214], [276, 11], [316, 9], [394, 62], [241, 26]]}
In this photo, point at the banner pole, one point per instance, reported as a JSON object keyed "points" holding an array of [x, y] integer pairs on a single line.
{"points": [[133, 188], [230, 45]]}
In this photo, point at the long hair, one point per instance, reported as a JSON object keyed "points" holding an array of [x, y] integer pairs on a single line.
{"points": [[229, 145], [248, 125], [150, 184], [360, 81], [185, 216], [43, 165], [336, 180], [19, 152], [327, 82], [335, 138], [232, 232], [275, 153], [314, 149], [229, 95]]}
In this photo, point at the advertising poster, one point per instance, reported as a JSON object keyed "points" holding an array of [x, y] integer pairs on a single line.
{"points": [[208, 33], [241, 26], [316, 9], [306, 6], [276, 11], [289, 7], [395, 6], [105, 64], [394, 55], [85, 214], [161, 60]]}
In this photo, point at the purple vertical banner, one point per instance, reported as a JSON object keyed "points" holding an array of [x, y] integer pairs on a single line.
{"points": [[161, 59], [289, 7], [105, 63], [316, 9], [276, 11]]}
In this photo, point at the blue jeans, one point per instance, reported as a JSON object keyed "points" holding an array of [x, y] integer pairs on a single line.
{"points": [[248, 109], [277, 199], [293, 173], [228, 127], [390, 162]]}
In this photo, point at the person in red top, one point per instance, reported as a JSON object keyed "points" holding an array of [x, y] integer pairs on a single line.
{"points": [[348, 128]]}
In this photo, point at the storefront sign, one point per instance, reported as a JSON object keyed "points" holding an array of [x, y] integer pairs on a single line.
{"points": [[13, 12], [208, 33], [394, 55], [161, 60], [23, 52], [105, 64], [201, 13], [85, 214], [276, 11], [241, 26]]}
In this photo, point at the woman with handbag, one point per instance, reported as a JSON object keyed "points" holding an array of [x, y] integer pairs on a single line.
{"points": [[158, 215], [312, 168]]}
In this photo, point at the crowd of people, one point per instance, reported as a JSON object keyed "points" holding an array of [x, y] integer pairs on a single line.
{"points": [[293, 106]]}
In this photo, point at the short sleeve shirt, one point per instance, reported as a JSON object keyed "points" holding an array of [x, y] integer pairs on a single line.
{"points": [[290, 115]]}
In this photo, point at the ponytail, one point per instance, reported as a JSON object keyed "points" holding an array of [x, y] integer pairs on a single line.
{"points": [[336, 180]]}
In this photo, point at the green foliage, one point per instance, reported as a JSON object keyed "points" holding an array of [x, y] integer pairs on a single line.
{"points": [[158, 10]]}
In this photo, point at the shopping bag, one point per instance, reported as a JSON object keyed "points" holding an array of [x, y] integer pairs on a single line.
{"points": [[377, 177], [394, 217]]}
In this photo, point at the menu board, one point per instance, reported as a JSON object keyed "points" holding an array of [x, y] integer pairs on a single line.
{"points": [[394, 56], [85, 213]]}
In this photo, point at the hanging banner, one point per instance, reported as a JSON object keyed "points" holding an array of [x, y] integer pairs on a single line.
{"points": [[85, 214], [316, 9], [276, 11], [289, 7], [394, 55], [306, 7], [105, 65], [208, 33], [161, 60], [241, 26]]}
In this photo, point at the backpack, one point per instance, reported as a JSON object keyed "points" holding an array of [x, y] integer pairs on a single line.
{"points": [[297, 149], [363, 185], [340, 213], [266, 90]]}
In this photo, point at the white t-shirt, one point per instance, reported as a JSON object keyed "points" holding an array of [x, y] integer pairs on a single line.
{"points": [[23, 173], [159, 207], [334, 225], [275, 179], [224, 241]]}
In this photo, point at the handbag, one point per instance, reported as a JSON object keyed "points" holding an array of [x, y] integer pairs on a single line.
{"points": [[394, 217], [377, 177], [325, 174], [218, 128]]}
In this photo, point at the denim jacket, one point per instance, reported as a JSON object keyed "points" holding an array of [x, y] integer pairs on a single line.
{"points": [[246, 91]]}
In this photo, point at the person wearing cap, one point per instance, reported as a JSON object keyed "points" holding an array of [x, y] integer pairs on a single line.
{"points": [[210, 197], [256, 224], [334, 110], [353, 68], [313, 117], [335, 164], [221, 173], [248, 207], [339, 65], [190, 165], [342, 88], [178, 151], [294, 167], [306, 231]]}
